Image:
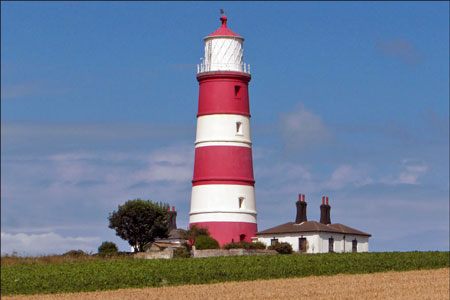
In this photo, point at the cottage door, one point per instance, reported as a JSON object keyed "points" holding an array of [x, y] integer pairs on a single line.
{"points": [[354, 245], [330, 245], [302, 245]]}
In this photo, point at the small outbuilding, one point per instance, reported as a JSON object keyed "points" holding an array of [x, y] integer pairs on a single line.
{"points": [[316, 237]]}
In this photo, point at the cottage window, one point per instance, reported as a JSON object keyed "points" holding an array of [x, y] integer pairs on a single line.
{"points": [[354, 245], [330, 244], [273, 242]]}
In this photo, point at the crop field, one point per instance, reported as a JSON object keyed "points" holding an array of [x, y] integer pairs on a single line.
{"points": [[134, 273], [409, 285]]}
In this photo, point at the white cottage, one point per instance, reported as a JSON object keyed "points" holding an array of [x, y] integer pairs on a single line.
{"points": [[316, 237]]}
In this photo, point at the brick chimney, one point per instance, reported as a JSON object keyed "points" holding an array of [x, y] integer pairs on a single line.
{"points": [[172, 218], [301, 209], [325, 211]]}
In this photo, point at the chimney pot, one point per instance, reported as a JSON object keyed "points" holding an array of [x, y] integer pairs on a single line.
{"points": [[299, 197], [173, 208], [327, 200], [168, 208], [323, 200]]}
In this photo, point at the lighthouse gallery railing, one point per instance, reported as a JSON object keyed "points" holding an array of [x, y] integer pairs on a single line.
{"points": [[209, 67]]}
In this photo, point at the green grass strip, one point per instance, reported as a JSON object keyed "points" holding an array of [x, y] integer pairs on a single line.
{"points": [[134, 273]]}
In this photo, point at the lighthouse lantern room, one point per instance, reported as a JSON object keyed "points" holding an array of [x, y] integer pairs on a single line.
{"points": [[223, 194]]}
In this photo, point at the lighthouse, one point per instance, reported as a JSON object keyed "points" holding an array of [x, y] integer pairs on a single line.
{"points": [[223, 193]]}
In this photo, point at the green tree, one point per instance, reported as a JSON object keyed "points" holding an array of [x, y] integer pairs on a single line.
{"points": [[108, 249], [140, 222]]}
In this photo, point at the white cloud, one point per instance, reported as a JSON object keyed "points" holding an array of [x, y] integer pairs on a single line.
{"points": [[83, 187], [45, 243], [282, 180], [346, 175], [157, 172], [410, 174], [302, 129], [173, 163]]}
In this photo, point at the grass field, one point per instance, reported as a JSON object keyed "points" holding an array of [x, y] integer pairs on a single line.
{"points": [[125, 273], [408, 285]]}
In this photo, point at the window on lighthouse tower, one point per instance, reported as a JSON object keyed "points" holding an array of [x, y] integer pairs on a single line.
{"points": [[237, 91], [238, 128], [241, 202]]}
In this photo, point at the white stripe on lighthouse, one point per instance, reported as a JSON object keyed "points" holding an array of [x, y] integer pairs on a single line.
{"points": [[223, 202], [223, 129]]}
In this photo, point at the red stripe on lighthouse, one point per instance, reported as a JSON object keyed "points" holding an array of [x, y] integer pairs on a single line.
{"points": [[226, 232], [223, 164], [223, 93]]}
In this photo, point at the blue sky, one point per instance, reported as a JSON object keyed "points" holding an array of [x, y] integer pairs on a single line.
{"points": [[348, 100]]}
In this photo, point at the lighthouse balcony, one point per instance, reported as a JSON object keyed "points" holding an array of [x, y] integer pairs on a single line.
{"points": [[212, 67]]}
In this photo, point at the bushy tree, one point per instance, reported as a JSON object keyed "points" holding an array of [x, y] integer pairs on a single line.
{"points": [[107, 249], [206, 242], [140, 222]]}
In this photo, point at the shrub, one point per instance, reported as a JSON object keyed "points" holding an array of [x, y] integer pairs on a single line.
{"points": [[235, 245], [75, 253], [206, 242], [108, 249], [282, 248], [181, 253], [258, 245], [244, 245]]}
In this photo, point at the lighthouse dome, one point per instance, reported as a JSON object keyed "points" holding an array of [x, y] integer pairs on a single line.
{"points": [[223, 51], [223, 30]]}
